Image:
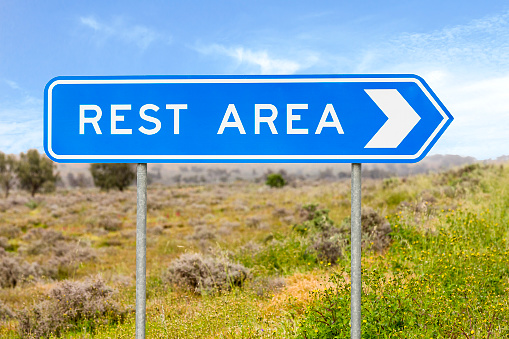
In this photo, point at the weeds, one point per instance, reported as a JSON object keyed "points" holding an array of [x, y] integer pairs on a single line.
{"points": [[71, 305], [451, 284], [15, 271], [5, 312], [200, 274]]}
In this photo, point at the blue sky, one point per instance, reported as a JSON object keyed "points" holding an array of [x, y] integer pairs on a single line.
{"points": [[461, 48]]}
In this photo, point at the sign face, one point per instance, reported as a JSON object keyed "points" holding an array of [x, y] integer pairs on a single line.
{"points": [[301, 118]]}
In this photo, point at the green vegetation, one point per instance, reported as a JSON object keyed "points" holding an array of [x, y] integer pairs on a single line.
{"points": [[108, 176], [35, 172], [244, 261], [451, 282], [275, 180]]}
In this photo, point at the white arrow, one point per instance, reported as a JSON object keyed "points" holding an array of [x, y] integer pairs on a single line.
{"points": [[402, 118]]}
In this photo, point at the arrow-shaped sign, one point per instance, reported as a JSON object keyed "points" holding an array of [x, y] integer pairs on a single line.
{"points": [[402, 118], [298, 118]]}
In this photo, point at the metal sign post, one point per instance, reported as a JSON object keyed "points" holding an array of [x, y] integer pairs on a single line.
{"points": [[355, 255], [141, 249]]}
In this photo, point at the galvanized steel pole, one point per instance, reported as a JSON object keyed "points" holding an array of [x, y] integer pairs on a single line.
{"points": [[141, 249], [355, 241]]}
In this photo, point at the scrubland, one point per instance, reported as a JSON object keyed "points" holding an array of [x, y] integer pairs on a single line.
{"points": [[243, 260]]}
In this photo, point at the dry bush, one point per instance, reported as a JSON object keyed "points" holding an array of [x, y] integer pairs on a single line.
{"points": [[280, 212], [230, 224], [239, 206], [62, 255], [104, 220], [4, 243], [328, 245], [267, 286], [128, 234], [192, 271], [14, 270], [16, 201], [67, 258], [251, 248], [155, 204], [202, 232], [156, 230], [228, 227], [328, 241], [376, 228], [289, 219], [71, 305], [4, 206], [199, 207], [254, 221], [5, 312], [110, 223], [196, 222], [41, 241], [10, 231]]}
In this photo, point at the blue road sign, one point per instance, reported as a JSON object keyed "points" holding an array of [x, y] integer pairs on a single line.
{"points": [[298, 118]]}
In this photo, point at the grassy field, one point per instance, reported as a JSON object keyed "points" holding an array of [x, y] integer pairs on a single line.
{"points": [[246, 261]]}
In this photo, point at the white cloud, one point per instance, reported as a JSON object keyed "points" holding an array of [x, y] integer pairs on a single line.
{"points": [[91, 22], [467, 66], [12, 84], [481, 111], [21, 125], [259, 61], [479, 46], [139, 35], [20, 136]]}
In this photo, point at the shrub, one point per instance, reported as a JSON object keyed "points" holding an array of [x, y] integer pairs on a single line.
{"points": [[266, 286], [156, 230], [71, 305], [110, 223], [10, 231], [104, 221], [41, 240], [14, 270], [32, 204], [5, 312], [4, 243], [35, 171], [253, 221], [307, 211], [280, 212], [67, 258], [328, 240], [329, 245], [275, 180], [376, 229], [202, 232], [65, 254], [108, 176], [191, 271]]}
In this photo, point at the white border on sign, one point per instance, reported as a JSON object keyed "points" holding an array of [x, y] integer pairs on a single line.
{"points": [[240, 157]]}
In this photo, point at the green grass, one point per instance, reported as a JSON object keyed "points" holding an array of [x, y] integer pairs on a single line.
{"points": [[449, 281]]}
